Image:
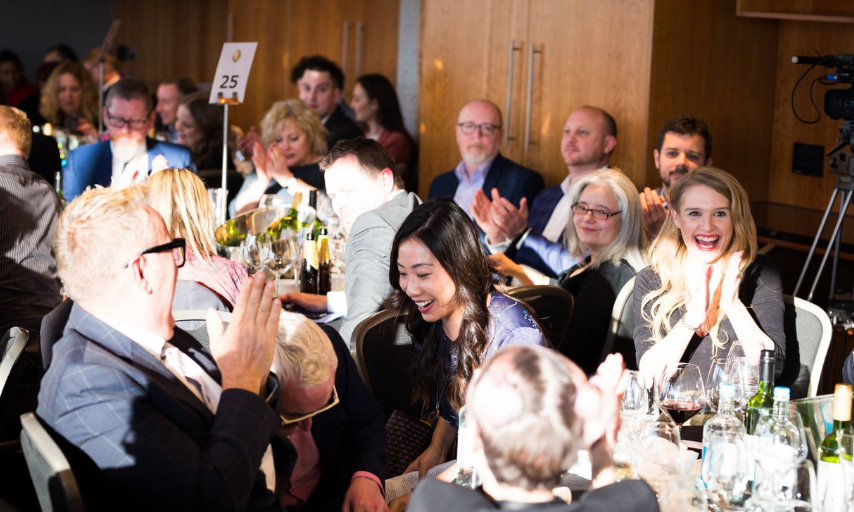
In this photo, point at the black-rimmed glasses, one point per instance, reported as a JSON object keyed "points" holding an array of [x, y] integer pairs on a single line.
{"points": [[120, 122], [178, 247], [486, 129], [597, 214]]}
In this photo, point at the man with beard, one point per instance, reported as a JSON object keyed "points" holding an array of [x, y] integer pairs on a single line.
{"points": [[483, 169], [684, 143], [536, 240], [129, 156]]}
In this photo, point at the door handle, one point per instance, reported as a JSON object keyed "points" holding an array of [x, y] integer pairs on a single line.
{"points": [[531, 52], [509, 109]]}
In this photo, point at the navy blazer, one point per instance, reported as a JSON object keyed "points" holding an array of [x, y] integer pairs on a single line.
{"points": [[154, 444], [92, 164], [340, 127], [511, 179], [350, 437], [541, 254]]}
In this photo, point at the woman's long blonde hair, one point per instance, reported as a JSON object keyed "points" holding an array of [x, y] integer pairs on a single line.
{"points": [[668, 252], [49, 107], [181, 199]]}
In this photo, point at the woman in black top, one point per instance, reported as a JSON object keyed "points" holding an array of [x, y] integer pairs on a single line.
{"points": [[296, 143], [706, 286], [606, 223]]}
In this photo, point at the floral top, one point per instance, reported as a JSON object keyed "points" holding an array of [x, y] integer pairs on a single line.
{"points": [[510, 323]]}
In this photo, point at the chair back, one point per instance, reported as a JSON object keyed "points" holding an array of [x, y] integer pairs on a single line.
{"points": [[190, 295], [552, 306], [621, 338], [384, 355], [808, 333], [13, 398], [198, 316], [55, 485]]}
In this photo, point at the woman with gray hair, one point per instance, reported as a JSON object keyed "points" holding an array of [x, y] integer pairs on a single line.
{"points": [[606, 226]]}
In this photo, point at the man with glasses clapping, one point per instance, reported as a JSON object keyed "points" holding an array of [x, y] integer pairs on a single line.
{"points": [[129, 155], [479, 135]]}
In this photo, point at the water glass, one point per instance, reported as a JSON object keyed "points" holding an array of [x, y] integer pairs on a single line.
{"points": [[717, 376], [283, 255], [659, 460], [745, 376], [255, 255], [637, 396]]}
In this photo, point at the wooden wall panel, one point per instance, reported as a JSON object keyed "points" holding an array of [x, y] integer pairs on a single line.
{"points": [[721, 68], [172, 39], [801, 38], [184, 38]]}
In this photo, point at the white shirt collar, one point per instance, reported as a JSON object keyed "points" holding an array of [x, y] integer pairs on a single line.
{"points": [[146, 339]]}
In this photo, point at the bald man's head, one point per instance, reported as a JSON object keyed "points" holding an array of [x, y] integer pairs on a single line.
{"points": [[479, 132], [589, 139]]}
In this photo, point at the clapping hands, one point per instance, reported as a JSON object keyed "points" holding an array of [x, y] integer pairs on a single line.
{"points": [[499, 218]]}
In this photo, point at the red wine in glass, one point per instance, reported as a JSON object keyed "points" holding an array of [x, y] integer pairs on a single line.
{"points": [[680, 412]]}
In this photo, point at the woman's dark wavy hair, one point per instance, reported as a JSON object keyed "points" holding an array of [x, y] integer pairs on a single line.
{"points": [[446, 230], [209, 119], [379, 88]]}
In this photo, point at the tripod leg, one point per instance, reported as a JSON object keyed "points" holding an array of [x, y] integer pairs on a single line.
{"points": [[836, 247], [833, 236], [815, 241]]}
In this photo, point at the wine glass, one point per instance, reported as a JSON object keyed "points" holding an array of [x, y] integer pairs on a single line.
{"points": [[735, 350], [717, 376], [659, 460], [283, 254], [681, 393], [255, 255], [745, 376], [636, 396]]}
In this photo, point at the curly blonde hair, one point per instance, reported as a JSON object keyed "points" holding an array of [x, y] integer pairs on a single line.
{"points": [[668, 252], [49, 107], [303, 117]]}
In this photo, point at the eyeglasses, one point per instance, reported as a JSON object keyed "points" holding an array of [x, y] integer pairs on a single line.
{"points": [[333, 401], [597, 214], [486, 129], [178, 247], [120, 122]]}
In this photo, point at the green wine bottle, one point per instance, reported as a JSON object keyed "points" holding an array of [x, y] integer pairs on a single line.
{"points": [[763, 400], [829, 449], [317, 224]]}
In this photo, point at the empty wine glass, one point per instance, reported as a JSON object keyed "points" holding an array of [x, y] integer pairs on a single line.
{"points": [[745, 376], [255, 255], [735, 350], [681, 393], [716, 377], [659, 460], [283, 254], [636, 396]]}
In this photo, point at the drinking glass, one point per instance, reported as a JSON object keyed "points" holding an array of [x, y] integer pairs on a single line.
{"points": [[681, 393], [716, 377], [283, 254], [659, 460], [255, 255], [636, 396], [735, 350], [686, 495], [745, 376], [803, 498], [846, 456]]}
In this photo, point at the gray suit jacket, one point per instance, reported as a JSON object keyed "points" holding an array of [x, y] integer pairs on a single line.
{"points": [[368, 247]]}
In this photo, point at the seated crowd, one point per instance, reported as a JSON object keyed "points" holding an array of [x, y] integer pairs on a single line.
{"points": [[267, 410]]}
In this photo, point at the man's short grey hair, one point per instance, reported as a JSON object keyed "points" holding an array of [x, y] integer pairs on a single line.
{"points": [[304, 354], [96, 235]]}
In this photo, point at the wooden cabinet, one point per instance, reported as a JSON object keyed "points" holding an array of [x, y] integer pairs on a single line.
{"points": [[564, 54], [642, 61]]}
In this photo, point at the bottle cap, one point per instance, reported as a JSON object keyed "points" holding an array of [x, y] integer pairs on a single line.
{"points": [[727, 390], [766, 355], [782, 393], [842, 402], [324, 232]]}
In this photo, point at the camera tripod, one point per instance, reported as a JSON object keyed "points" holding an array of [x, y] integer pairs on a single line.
{"points": [[841, 163]]}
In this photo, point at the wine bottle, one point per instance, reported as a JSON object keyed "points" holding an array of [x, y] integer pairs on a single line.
{"points": [[831, 479], [763, 400], [290, 220], [309, 272], [317, 224], [324, 281]]}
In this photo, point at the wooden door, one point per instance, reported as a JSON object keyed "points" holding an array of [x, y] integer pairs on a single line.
{"points": [[589, 53], [374, 35], [465, 52]]}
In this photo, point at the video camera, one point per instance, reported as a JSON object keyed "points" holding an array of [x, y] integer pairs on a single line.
{"points": [[838, 103]]}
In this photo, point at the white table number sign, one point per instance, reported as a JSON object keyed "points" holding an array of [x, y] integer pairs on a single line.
{"points": [[232, 72]]}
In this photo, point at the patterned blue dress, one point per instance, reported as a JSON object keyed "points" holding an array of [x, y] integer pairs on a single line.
{"points": [[509, 324]]}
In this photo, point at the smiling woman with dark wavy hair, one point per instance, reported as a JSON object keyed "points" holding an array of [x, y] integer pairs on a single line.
{"points": [[457, 317]]}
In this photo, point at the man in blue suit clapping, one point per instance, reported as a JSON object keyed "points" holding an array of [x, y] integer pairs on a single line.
{"points": [[129, 156]]}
